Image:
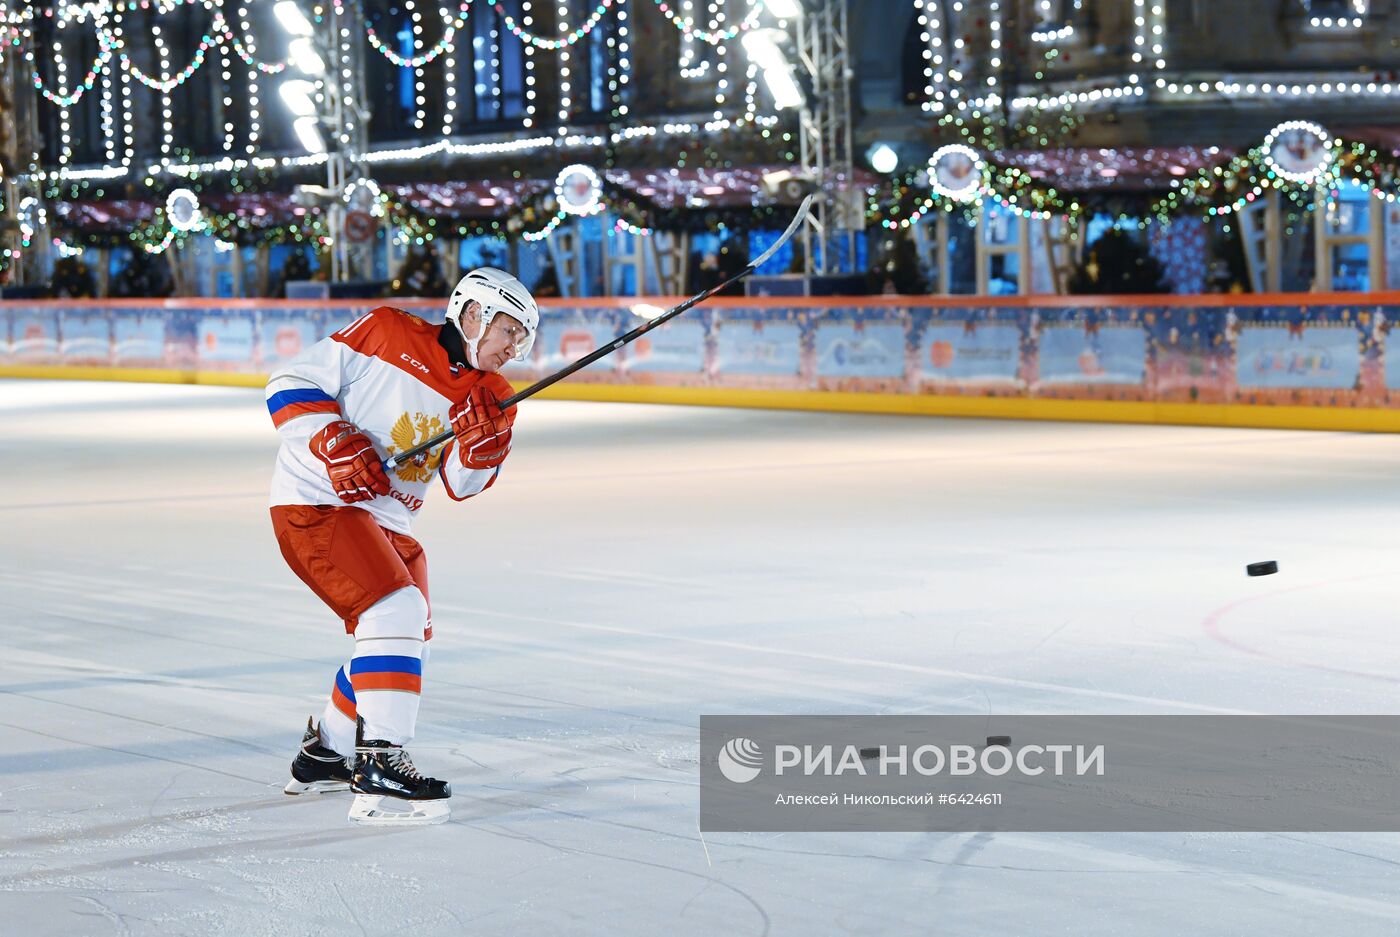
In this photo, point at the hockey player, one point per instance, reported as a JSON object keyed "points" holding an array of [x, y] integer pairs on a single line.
{"points": [[381, 385]]}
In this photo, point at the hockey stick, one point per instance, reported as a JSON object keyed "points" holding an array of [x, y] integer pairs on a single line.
{"points": [[396, 460]]}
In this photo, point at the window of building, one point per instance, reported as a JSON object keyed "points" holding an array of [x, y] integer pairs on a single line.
{"points": [[1055, 20], [1326, 15]]}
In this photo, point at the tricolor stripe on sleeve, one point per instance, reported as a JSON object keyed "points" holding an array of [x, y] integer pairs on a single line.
{"points": [[286, 404]]}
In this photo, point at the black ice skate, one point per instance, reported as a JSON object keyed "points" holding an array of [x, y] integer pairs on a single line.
{"points": [[316, 768], [388, 788]]}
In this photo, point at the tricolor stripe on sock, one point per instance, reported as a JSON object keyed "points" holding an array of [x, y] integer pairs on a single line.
{"points": [[343, 695], [387, 672]]}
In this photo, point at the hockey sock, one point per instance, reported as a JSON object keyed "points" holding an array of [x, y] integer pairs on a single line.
{"points": [[338, 719], [386, 673]]}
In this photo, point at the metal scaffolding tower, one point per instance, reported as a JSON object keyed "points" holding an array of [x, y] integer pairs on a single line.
{"points": [[347, 120], [825, 138], [22, 190]]}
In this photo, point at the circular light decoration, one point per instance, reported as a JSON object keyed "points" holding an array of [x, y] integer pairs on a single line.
{"points": [[182, 208], [363, 194], [955, 171], [578, 190], [1298, 150], [31, 217]]}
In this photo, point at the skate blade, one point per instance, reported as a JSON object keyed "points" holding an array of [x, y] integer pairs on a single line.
{"points": [[315, 787], [379, 810]]}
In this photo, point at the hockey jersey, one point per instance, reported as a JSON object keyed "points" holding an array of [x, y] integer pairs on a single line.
{"points": [[386, 373]]}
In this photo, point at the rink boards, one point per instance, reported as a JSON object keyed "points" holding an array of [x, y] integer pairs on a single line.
{"points": [[1317, 362]]}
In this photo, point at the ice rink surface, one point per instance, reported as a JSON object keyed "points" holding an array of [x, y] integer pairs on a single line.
{"points": [[634, 568]]}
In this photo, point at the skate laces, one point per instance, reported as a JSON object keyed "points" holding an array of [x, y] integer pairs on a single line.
{"points": [[398, 760]]}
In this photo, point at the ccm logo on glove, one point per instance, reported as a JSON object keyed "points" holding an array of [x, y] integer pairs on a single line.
{"points": [[351, 462], [482, 429]]}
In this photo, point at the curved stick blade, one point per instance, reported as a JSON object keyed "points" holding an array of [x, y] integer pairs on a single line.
{"points": [[798, 219]]}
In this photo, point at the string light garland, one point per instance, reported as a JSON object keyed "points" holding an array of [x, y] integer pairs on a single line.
{"points": [[1224, 190], [1017, 191], [1008, 187], [229, 165], [159, 235], [1148, 53], [111, 42], [1148, 49], [65, 250], [18, 17], [32, 217], [931, 26], [167, 139], [621, 224], [169, 84], [242, 51], [721, 64], [420, 100], [1342, 22], [99, 65], [65, 149], [714, 37], [376, 195], [347, 86], [116, 40], [994, 61], [445, 44], [164, 230], [128, 118], [449, 71], [687, 64], [554, 45], [1058, 34], [109, 123], [495, 66], [254, 115], [421, 230], [619, 76], [562, 54], [161, 246], [527, 18], [225, 100], [874, 212], [1230, 188], [547, 230]]}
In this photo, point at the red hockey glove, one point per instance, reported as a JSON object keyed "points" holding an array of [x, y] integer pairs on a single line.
{"points": [[351, 462], [482, 428]]}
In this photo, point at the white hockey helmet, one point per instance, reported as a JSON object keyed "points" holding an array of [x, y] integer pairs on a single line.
{"points": [[496, 291]]}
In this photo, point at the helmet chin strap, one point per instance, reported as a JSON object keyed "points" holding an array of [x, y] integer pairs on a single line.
{"points": [[471, 343]]}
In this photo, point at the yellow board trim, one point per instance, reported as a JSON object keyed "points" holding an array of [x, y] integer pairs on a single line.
{"points": [[1349, 419], [66, 372]]}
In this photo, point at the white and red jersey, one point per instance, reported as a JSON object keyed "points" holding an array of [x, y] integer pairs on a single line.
{"points": [[387, 373]]}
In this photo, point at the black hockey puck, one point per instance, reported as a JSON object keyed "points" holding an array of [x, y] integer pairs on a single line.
{"points": [[1002, 741], [868, 753], [1266, 568]]}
